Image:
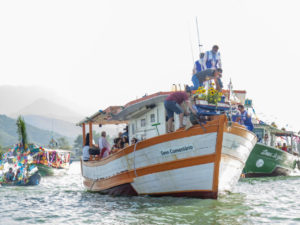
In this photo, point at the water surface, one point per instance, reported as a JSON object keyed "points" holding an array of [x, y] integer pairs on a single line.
{"points": [[63, 200]]}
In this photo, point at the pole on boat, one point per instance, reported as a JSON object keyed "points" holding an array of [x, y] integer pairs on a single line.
{"points": [[191, 46], [83, 134], [91, 133], [199, 45]]}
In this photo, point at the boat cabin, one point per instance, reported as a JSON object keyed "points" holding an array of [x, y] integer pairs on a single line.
{"points": [[146, 116], [276, 138]]}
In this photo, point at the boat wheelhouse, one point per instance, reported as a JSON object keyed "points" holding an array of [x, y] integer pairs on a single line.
{"points": [[201, 161]]}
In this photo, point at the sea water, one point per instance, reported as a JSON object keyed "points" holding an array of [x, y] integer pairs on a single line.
{"points": [[63, 200]]}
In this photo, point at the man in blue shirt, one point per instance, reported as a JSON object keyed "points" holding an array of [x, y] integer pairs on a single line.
{"points": [[244, 118]]}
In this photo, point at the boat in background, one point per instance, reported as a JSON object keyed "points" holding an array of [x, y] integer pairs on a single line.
{"points": [[202, 161], [49, 161], [267, 158]]}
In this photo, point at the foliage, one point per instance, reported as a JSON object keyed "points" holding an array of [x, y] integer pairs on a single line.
{"points": [[63, 143], [78, 142], [22, 132], [9, 136], [211, 95]]}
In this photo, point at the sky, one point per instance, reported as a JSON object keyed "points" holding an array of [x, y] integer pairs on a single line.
{"points": [[102, 53]]}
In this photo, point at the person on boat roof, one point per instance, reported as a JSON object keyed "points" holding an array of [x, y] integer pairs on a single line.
{"points": [[104, 146], [209, 74], [172, 105], [212, 59], [244, 118], [10, 175]]}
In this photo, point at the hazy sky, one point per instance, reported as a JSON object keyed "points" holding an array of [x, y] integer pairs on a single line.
{"points": [[101, 53]]}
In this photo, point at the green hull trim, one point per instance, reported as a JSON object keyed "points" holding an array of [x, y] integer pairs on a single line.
{"points": [[45, 170], [269, 161]]}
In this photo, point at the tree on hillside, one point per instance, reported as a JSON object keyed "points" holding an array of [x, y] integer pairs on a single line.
{"points": [[63, 143], [22, 131], [78, 142]]}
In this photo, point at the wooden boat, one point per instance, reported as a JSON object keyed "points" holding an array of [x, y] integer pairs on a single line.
{"points": [[268, 160], [202, 161]]}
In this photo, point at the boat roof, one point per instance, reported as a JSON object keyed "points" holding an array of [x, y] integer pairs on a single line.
{"points": [[120, 114], [103, 116], [57, 150], [140, 106], [275, 130]]}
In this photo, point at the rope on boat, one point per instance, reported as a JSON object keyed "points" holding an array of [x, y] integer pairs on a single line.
{"points": [[134, 159]]}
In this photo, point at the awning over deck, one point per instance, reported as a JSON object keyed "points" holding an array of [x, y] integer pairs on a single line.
{"points": [[104, 117]]}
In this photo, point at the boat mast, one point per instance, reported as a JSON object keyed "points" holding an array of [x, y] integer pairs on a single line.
{"points": [[198, 36]]}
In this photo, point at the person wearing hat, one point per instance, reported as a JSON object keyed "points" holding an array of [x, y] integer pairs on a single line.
{"points": [[212, 58], [173, 104], [205, 75]]}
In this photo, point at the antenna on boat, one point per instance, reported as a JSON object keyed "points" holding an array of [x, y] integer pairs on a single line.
{"points": [[191, 46], [198, 36]]}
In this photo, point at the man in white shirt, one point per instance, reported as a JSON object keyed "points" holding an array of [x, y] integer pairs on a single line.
{"points": [[212, 59]]}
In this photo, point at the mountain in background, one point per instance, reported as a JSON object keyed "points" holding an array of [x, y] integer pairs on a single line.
{"points": [[46, 108], [9, 136], [59, 126], [34, 100]]}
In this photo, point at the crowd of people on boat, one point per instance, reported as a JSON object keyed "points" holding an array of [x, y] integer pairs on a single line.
{"points": [[103, 148]]}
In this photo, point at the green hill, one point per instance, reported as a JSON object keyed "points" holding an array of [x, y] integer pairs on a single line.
{"points": [[9, 136]]}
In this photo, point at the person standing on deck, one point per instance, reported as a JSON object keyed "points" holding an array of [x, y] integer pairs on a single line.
{"points": [[172, 105], [244, 118], [104, 146], [198, 66], [212, 59]]}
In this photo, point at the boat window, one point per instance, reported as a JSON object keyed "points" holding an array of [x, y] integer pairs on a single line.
{"points": [[152, 118], [143, 122], [132, 128]]}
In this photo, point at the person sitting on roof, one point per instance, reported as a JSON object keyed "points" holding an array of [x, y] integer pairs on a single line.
{"points": [[172, 105], [210, 74], [104, 145], [9, 176], [244, 118]]}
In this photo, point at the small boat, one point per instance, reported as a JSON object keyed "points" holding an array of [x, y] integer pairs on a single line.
{"points": [[267, 158], [28, 173], [202, 161], [32, 180]]}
